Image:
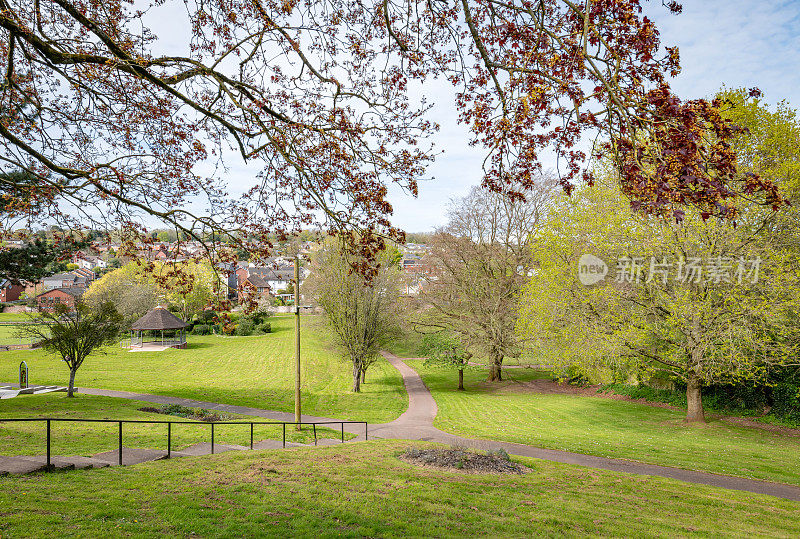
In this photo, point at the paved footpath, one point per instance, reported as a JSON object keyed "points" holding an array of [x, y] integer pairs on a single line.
{"points": [[416, 423]]}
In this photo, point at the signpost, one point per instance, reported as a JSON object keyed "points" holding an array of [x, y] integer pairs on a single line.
{"points": [[23, 375]]}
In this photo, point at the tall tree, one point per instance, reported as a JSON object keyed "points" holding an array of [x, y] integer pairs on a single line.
{"points": [[362, 314], [478, 264], [703, 302], [75, 335], [115, 122]]}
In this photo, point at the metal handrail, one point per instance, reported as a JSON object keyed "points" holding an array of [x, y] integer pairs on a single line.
{"points": [[170, 423]]}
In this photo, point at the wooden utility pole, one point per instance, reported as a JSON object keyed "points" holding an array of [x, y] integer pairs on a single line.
{"points": [[297, 412]]}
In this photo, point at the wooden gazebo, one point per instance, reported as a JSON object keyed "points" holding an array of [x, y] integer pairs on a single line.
{"points": [[162, 327]]}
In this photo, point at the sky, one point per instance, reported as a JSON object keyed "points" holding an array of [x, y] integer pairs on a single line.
{"points": [[735, 43]]}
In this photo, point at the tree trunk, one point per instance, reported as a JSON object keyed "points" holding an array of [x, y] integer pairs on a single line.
{"points": [[694, 401], [356, 376], [461, 379], [495, 369], [71, 388], [363, 376]]}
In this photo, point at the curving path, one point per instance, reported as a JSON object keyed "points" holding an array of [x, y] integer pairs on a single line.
{"points": [[416, 423]]}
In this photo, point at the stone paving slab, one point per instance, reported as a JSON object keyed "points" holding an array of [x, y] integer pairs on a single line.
{"points": [[204, 448], [17, 465], [130, 455], [275, 444]]}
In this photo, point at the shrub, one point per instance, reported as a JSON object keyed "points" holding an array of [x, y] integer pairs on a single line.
{"points": [[265, 327], [499, 453], [207, 317], [572, 375], [786, 401], [244, 329], [201, 329]]}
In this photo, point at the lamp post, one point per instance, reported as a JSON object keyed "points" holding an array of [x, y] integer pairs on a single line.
{"points": [[297, 412]]}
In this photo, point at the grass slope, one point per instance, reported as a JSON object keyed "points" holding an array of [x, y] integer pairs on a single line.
{"points": [[251, 371], [363, 489], [606, 427], [90, 438]]}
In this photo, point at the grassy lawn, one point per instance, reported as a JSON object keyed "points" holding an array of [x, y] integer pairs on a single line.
{"points": [[8, 335], [14, 317], [251, 371], [90, 438], [329, 492], [605, 427]]}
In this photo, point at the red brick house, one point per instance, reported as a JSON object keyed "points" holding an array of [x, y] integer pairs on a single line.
{"points": [[46, 301], [9, 291]]}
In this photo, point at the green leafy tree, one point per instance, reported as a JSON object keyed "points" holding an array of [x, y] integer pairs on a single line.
{"points": [[446, 350], [702, 301], [75, 335]]}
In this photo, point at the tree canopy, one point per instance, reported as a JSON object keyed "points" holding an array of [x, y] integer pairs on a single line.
{"points": [[115, 122], [704, 301]]}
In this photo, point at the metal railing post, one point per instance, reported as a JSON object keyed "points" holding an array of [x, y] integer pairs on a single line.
{"points": [[251, 436], [120, 443], [314, 426], [366, 427], [48, 444], [284, 435], [169, 439], [342, 432], [212, 438]]}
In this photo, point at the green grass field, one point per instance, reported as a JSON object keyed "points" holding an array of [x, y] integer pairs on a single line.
{"points": [[251, 371], [8, 333], [605, 427], [85, 439], [325, 492], [14, 317]]}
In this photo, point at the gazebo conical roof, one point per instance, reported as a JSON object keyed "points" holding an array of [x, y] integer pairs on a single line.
{"points": [[158, 318]]}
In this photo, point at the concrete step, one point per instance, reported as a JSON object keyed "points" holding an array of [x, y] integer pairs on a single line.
{"points": [[17, 465], [274, 444], [328, 441], [204, 448], [130, 455]]}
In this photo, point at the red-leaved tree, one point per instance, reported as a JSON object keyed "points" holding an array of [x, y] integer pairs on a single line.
{"points": [[115, 123]]}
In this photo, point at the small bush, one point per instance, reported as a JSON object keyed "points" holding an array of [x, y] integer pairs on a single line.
{"points": [[573, 376], [499, 453], [207, 317], [201, 329], [244, 329], [786, 401]]}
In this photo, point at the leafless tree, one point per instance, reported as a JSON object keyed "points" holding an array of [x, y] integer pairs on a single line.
{"points": [[478, 264]]}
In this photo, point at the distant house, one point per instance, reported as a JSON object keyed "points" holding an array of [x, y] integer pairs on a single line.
{"points": [[90, 262], [47, 301], [276, 278], [260, 284], [9, 291], [80, 278]]}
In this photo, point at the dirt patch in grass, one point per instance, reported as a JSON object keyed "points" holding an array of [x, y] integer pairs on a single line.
{"points": [[463, 460], [744, 422], [552, 387]]}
